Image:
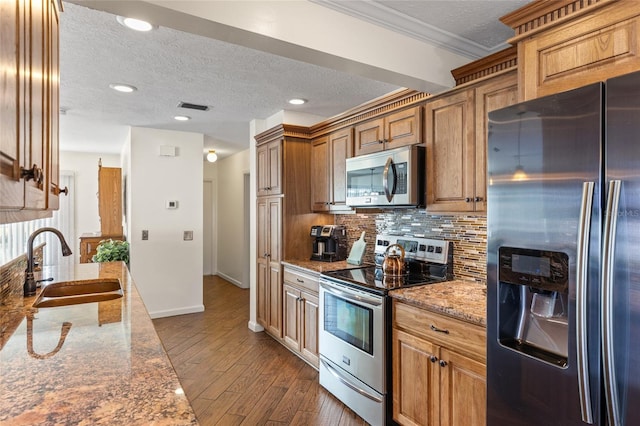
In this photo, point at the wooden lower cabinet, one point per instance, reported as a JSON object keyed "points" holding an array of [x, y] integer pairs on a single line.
{"points": [[300, 314], [438, 378]]}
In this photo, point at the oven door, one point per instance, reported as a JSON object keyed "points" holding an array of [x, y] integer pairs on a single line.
{"points": [[351, 332]]}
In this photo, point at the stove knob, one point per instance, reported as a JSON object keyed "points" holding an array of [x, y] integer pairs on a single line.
{"points": [[438, 249], [422, 247], [430, 249]]}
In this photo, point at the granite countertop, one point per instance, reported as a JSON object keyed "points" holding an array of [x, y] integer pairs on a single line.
{"points": [[465, 300], [320, 267], [98, 363]]}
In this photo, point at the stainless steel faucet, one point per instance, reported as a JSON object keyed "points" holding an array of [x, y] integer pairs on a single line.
{"points": [[29, 282]]}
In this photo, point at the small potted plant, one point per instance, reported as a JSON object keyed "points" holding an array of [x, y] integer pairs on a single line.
{"points": [[112, 251]]}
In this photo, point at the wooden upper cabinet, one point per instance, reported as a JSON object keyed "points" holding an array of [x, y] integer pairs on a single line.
{"points": [[449, 121], [496, 93], [320, 171], [29, 82], [269, 165], [457, 143], [566, 44], [12, 106], [328, 170], [398, 129]]}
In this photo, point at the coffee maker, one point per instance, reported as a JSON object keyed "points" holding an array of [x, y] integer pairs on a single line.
{"points": [[329, 243]]}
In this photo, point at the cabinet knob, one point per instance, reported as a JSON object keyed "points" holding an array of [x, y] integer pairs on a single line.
{"points": [[443, 363], [55, 189], [34, 173], [478, 199], [468, 199], [433, 358], [380, 140]]}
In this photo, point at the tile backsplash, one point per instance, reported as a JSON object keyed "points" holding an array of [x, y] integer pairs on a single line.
{"points": [[468, 233], [12, 277]]}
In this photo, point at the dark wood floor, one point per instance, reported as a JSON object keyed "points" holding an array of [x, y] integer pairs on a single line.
{"points": [[233, 376]]}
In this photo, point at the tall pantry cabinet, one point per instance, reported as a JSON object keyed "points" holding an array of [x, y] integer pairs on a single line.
{"points": [[29, 112], [283, 214]]}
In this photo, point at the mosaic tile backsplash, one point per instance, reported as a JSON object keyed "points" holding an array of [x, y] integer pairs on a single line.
{"points": [[468, 234], [12, 277]]}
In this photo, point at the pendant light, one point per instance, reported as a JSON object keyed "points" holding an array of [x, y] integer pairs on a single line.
{"points": [[212, 156]]}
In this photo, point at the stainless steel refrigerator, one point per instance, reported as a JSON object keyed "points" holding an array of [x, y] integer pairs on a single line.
{"points": [[563, 258]]}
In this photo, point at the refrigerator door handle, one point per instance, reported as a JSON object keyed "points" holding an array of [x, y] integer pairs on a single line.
{"points": [[582, 262], [608, 251]]}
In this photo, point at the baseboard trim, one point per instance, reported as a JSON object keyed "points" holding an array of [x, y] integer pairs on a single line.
{"points": [[255, 327], [175, 312], [231, 280]]}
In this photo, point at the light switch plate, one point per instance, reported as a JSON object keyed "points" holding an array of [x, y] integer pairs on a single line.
{"points": [[188, 236], [145, 234]]}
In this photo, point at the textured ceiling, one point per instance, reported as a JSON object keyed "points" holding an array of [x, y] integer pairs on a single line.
{"points": [[238, 83]]}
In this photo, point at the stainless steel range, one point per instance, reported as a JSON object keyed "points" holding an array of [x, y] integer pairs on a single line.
{"points": [[355, 323]]}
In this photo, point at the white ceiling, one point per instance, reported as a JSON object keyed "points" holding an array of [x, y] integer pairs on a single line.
{"points": [[238, 83]]}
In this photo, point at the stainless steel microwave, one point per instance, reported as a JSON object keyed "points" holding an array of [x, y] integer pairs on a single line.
{"points": [[393, 178]]}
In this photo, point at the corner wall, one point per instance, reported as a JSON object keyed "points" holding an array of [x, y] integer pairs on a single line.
{"points": [[167, 270]]}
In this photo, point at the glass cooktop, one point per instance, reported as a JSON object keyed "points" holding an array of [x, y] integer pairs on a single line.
{"points": [[371, 278]]}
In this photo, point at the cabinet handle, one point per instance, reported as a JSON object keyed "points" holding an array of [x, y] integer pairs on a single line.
{"points": [[34, 173], [439, 330], [478, 199], [443, 363], [433, 358], [299, 280]]}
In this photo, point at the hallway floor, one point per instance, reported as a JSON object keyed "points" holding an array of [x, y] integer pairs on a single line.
{"points": [[233, 376]]}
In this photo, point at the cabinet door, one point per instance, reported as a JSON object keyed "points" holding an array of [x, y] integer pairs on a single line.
{"points": [[369, 137], [110, 200], [53, 97], [403, 128], [291, 316], [497, 93], [449, 121], [341, 148], [269, 165], [36, 142], [262, 285], [320, 174], [463, 390], [273, 238], [415, 380], [309, 327], [11, 143]]}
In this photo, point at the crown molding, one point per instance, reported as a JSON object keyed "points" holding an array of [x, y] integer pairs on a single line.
{"points": [[383, 16]]}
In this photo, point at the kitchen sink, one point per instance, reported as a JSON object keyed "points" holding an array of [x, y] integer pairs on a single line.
{"points": [[76, 292]]}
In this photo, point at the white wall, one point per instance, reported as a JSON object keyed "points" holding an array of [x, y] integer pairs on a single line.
{"points": [[232, 255], [84, 166], [167, 270], [210, 171]]}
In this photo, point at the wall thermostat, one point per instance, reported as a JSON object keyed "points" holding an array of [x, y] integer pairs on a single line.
{"points": [[172, 204]]}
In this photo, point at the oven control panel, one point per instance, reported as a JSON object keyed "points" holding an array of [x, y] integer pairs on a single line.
{"points": [[423, 249]]}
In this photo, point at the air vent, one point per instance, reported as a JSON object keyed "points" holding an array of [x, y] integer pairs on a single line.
{"points": [[187, 105]]}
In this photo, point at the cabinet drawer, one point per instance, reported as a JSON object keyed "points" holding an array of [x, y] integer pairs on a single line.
{"points": [[464, 337], [301, 280]]}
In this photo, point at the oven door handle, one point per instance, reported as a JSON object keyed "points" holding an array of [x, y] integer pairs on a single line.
{"points": [[345, 381], [351, 296]]}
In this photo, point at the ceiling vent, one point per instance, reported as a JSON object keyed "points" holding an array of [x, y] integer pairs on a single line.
{"points": [[188, 105]]}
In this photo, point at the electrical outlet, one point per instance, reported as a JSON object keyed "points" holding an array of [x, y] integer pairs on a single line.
{"points": [[145, 234], [188, 236]]}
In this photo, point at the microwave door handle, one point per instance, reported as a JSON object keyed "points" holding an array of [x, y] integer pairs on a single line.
{"points": [[385, 180]]}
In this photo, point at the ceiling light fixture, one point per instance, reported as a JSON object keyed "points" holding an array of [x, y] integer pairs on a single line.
{"points": [[297, 101], [124, 88], [182, 118], [135, 24], [212, 156]]}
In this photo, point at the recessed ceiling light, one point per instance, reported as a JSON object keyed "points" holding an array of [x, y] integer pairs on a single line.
{"points": [[297, 101], [182, 118], [124, 88], [134, 24]]}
